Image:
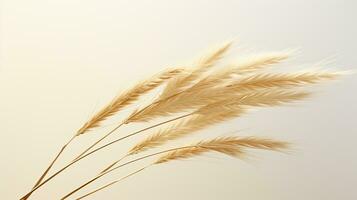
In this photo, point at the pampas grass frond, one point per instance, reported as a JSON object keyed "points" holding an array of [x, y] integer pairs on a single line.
{"points": [[259, 62], [182, 102], [215, 113], [262, 81], [185, 80], [182, 128], [227, 73], [256, 98], [128, 98], [211, 89], [201, 97], [231, 146], [271, 97], [178, 85]]}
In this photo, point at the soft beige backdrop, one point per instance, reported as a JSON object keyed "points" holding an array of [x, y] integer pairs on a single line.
{"points": [[62, 60]]}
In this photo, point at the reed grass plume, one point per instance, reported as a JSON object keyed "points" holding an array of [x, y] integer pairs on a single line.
{"points": [[232, 146], [221, 85], [128, 98], [215, 113], [181, 82], [209, 92]]}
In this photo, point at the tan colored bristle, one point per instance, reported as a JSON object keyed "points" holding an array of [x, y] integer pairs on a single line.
{"points": [[259, 81], [215, 113], [183, 128], [128, 98], [232, 146], [185, 80], [211, 91]]}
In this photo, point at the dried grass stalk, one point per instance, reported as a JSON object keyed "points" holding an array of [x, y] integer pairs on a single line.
{"points": [[220, 77], [247, 67], [261, 81], [181, 82], [128, 98], [206, 97], [215, 113], [261, 98], [259, 62], [180, 129], [231, 146], [210, 91]]}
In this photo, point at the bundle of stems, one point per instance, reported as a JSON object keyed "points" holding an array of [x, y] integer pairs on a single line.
{"points": [[194, 98]]}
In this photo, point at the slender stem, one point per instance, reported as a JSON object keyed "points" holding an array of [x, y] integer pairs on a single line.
{"points": [[87, 183], [119, 166], [111, 183], [50, 166], [53, 162], [108, 168], [98, 141], [95, 150], [97, 190], [114, 163], [135, 133], [35, 187]]}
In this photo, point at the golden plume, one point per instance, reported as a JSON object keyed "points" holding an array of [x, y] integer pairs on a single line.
{"points": [[231, 146], [128, 98]]}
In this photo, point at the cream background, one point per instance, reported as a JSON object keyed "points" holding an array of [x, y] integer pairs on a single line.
{"points": [[62, 60]]}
